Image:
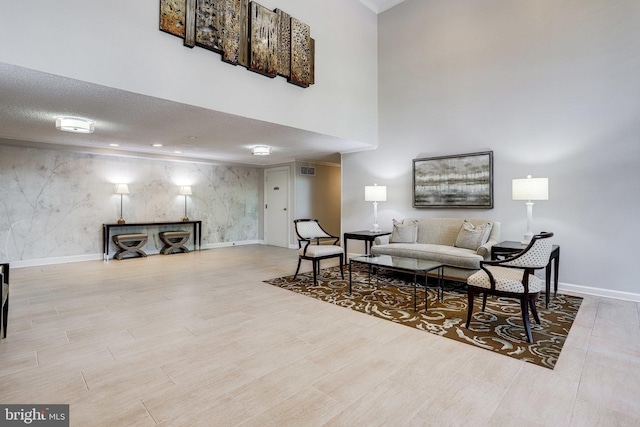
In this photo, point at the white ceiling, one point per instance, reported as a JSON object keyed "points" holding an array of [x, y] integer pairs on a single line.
{"points": [[31, 100], [379, 6]]}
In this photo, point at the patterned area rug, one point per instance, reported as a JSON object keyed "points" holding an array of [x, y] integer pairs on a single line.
{"points": [[499, 328]]}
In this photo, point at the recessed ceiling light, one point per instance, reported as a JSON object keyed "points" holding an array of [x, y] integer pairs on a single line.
{"points": [[114, 145], [156, 145], [261, 150], [74, 124], [177, 152]]}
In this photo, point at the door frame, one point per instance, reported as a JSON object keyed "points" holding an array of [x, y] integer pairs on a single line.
{"points": [[266, 202]]}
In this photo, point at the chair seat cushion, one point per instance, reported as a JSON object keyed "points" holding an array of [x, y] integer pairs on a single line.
{"points": [[507, 280], [314, 251]]}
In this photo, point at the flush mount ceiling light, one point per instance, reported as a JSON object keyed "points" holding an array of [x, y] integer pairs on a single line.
{"points": [[74, 124], [261, 150]]}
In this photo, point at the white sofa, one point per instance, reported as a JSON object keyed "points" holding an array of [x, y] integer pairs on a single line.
{"points": [[441, 239]]}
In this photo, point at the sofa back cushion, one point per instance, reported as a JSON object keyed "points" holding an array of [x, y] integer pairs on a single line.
{"points": [[472, 237], [444, 231], [404, 231]]}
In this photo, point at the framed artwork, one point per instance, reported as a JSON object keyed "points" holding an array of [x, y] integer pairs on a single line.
{"points": [[459, 181]]}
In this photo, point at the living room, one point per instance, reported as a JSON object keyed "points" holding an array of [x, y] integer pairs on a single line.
{"points": [[549, 87]]}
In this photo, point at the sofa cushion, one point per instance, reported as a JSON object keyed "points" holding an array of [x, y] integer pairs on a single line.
{"points": [[472, 237], [404, 232], [447, 255]]}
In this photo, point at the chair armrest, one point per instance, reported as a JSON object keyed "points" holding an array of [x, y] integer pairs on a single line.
{"points": [[381, 240], [485, 250]]}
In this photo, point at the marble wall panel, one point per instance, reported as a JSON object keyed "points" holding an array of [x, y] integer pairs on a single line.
{"points": [[53, 204]]}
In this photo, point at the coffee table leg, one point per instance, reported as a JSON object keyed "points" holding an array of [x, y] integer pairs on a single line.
{"points": [[415, 294], [350, 264]]}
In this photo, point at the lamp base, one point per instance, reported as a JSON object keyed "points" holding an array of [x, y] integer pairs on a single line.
{"points": [[185, 219], [121, 221], [527, 238], [375, 229]]}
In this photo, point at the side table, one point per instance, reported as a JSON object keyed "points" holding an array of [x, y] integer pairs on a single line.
{"points": [[366, 235], [503, 249]]}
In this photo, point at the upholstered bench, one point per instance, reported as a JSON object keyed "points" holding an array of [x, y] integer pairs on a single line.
{"points": [[129, 244], [174, 241]]}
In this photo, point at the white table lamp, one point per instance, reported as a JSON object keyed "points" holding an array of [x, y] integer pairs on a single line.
{"points": [[185, 190], [375, 193], [530, 189], [121, 189]]}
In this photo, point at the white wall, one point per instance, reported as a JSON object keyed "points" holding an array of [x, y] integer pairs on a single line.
{"points": [[551, 87], [118, 43], [53, 203]]}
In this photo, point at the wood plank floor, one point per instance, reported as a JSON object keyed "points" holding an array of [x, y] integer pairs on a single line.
{"points": [[198, 340]]}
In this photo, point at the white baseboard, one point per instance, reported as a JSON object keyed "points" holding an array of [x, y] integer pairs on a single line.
{"points": [[598, 292]]}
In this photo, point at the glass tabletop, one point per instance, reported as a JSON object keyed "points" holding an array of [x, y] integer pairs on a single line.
{"points": [[403, 263]]}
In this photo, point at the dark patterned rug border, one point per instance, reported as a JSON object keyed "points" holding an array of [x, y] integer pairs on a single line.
{"points": [[499, 328]]}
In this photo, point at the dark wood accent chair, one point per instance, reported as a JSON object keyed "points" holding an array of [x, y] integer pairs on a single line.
{"points": [[4, 278], [310, 236], [513, 277]]}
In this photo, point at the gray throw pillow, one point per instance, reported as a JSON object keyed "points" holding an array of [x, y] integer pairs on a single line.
{"points": [[404, 232], [470, 237]]}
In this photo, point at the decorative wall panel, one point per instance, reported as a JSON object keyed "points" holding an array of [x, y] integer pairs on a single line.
{"points": [[209, 22], [172, 17], [284, 43], [246, 33], [263, 30], [300, 53]]}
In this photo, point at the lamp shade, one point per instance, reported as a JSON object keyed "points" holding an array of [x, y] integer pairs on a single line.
{"points": [[185, 190], [122, 189], [530, 189], [375, 193]]}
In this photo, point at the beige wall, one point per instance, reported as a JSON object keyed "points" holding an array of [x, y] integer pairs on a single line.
{"points": [[319, 196]]}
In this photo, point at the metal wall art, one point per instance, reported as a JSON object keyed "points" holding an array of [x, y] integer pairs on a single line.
{"points": [[245, 33], [461, 181]]}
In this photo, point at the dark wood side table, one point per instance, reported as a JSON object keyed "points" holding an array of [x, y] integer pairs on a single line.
{"points": [[366, 235], [503, 249]]}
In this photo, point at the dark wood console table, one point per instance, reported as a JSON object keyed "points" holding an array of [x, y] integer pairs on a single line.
{"points": [[106, 230], [503, 249]]}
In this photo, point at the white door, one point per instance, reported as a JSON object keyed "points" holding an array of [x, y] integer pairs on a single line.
{"points": [[276, 207]]}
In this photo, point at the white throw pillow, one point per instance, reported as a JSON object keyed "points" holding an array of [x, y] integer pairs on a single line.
{"points": [[404, 233], [470, 237]]}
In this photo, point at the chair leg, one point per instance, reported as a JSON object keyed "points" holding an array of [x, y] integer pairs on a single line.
{"points": [[525, 318], [534, 311], [316, 267], [484, 301], [5, 316], [470, 296], [342, 266], [297, 269]]}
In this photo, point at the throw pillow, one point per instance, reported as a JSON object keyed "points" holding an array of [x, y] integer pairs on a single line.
{"points": [[404, 233], [470, 237]]}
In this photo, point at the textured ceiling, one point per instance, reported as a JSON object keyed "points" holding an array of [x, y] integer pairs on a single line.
{"points": [[31, 100]]}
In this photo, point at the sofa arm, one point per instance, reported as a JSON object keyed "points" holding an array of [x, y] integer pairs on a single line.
{"points": [[381, 240], [485, 250]]}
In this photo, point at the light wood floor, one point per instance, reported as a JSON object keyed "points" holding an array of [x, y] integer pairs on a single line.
{"points": [[198, 340]]}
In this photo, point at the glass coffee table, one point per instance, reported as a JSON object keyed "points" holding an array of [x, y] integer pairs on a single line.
{"points": [[417, 267]]}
